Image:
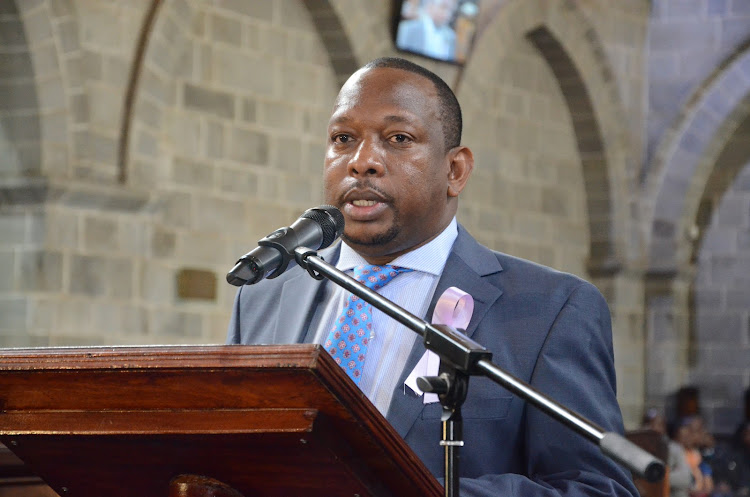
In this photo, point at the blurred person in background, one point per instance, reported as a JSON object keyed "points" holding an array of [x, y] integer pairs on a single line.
{"points": [[732, 466], [687, 432], [680, 477]]}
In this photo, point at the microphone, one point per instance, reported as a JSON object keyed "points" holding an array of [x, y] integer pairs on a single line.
{"points": [[317, 228]]}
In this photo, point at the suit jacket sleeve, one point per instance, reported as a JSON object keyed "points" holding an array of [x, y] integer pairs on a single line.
{"points": [[233, 332], [576, 368]]}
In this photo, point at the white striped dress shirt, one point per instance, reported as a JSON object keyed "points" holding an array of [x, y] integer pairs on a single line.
{"points": [[392, 342]]}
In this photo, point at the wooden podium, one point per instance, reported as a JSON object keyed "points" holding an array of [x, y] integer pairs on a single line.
{"points": [[254, 421]]}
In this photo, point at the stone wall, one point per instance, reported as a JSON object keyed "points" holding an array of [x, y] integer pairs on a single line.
{"points": [[720, 342], [19, 135], [141, 209], [699, 87], [522, 198], [689, 40]]}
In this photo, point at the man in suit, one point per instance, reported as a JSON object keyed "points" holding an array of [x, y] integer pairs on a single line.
{"points": [[430, 33], [394, 166]]}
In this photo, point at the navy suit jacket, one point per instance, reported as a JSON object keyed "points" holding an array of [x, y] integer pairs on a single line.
{"points": [[550, 329]]}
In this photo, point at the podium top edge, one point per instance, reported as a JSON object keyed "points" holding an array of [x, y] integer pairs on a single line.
{"points": [[159, 356]]}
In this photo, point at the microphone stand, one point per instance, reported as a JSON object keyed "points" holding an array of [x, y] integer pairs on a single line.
{"points": [[461, 357]]}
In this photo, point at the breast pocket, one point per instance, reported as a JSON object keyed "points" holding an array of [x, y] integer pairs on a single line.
{"points": [[475, 408]]}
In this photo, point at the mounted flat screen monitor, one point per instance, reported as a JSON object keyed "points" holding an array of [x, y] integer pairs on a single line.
{"points": [[438, 29]]}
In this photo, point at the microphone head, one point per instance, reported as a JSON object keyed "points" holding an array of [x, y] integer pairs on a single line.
{"points": [[331, 221]]}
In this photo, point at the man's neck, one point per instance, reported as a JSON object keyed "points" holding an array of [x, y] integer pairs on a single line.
{"points": [[383, 259]]}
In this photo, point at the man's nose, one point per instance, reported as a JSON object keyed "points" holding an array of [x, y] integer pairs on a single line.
{"points": [[368, 159]]}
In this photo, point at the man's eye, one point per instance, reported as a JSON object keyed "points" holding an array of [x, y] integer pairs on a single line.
{"points": [[341, 138], [400, 138]]}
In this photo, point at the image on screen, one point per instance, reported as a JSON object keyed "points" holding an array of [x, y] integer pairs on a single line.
{"points": [[439, 29]]}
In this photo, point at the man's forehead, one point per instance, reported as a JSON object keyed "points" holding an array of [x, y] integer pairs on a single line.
{"points": [[388, 85], [379, 80]]}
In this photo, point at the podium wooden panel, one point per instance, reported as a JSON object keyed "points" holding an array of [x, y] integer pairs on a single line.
{"points": [[264, 420]]}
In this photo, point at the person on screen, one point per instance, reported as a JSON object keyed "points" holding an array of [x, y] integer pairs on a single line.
{"points": [[395, 167], [430, 33]]}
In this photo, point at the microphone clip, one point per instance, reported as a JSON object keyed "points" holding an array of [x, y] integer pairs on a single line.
{"points": [[301, 254]]}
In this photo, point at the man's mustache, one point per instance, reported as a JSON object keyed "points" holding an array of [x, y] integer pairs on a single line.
{"points": [[365, 187]]}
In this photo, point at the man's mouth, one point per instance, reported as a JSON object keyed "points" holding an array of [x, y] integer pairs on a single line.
{"points": [[364, 204], [364, 210]]}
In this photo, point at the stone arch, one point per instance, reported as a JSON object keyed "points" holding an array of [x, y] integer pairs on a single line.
{"points": [[74, 140], [602, 250], [726, 157], [20, 133], [555, 54], [335, 38], [685, 158], [690, 170], [365, 31], [719, 291], [53, 45], [570, 46], [163, 50], [228, 118], [719, 318], [132, 88]]}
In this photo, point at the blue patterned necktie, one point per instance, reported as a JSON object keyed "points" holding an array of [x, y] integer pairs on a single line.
{"points": [[347, 342]]}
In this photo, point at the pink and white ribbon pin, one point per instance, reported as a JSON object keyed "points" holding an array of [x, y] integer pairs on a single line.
{"points": [[454, 308]]}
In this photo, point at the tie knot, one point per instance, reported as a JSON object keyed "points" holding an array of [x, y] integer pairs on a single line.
{"points": [[375, 277]]}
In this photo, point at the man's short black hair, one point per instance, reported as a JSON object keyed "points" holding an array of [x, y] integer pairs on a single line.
{"points": [[450, 110]]}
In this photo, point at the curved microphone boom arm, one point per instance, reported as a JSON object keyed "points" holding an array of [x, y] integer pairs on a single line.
{"points": [[462, 357]]}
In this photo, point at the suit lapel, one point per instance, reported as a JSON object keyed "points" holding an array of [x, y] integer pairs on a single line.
{"points": [[467, 265]]}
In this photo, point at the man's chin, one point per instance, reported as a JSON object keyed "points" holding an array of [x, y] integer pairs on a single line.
{"points": [[376, 239]]}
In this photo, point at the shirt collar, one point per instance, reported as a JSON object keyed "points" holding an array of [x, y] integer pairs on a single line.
{"points": [[429, 258]]}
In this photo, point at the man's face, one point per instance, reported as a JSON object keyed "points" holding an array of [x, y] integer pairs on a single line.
{"points": [[386, 166], [441, 11]]}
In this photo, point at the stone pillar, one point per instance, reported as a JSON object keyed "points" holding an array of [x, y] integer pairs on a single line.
{"points": [[667, 333], [623, 290]]}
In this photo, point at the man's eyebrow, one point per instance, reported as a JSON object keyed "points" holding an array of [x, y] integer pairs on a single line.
{"points": [[397, 119], [339, 120]]}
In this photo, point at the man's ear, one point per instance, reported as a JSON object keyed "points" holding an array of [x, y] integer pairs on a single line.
{"points": [[461, 165]]}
